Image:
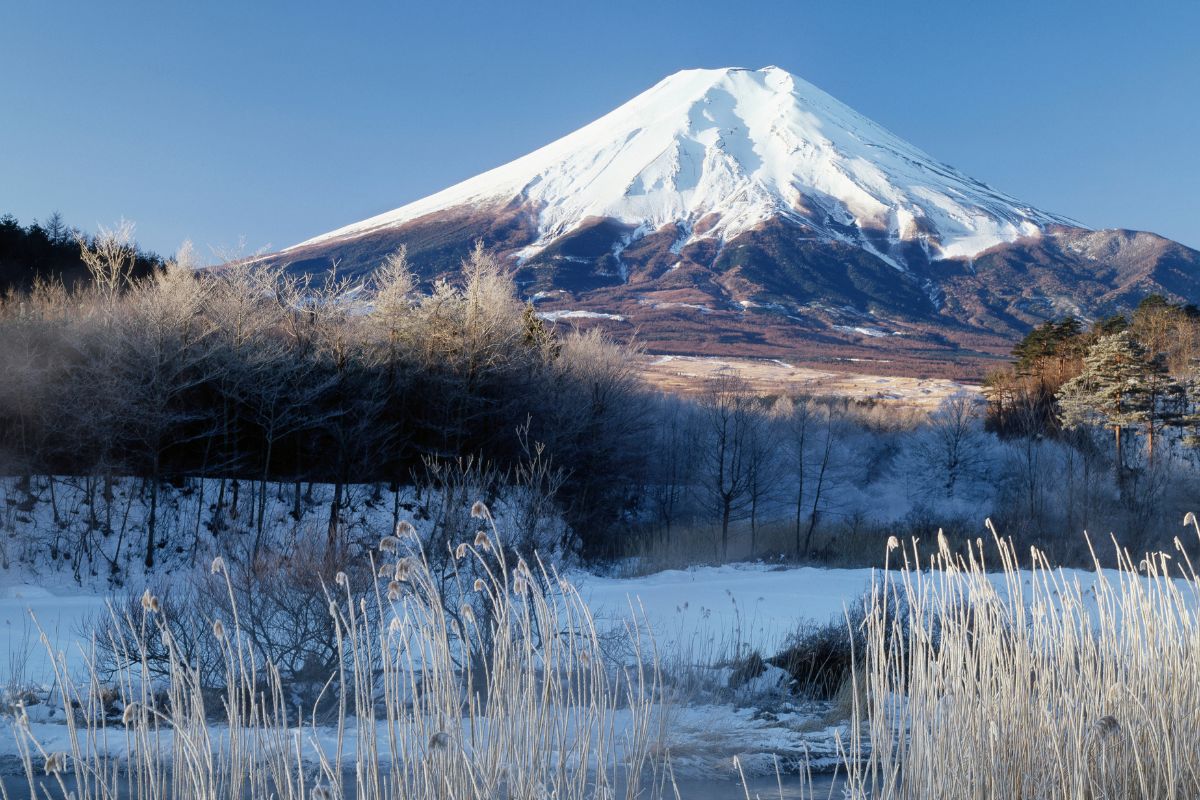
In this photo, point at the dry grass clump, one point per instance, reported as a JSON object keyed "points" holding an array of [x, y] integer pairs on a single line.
{"points": [[504, 695], [1028, 684]]}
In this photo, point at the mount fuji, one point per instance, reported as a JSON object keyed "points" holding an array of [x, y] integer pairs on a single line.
{"points": [[747, 212]]}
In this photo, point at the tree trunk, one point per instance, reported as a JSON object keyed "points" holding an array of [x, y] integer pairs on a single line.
{"points": [[725, 513], [53, 498], [334, 508], [152, 521], [753, 526], [262, 495], [395, 504]]}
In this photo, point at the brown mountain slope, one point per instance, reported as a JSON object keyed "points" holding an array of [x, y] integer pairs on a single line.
{"points": [[778, 291]]}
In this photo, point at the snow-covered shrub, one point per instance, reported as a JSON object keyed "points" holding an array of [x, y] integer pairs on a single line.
{"points": [[280, 603]]}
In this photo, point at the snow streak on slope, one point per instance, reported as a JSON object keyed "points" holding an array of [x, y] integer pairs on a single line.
{"points": [[745, 146]]}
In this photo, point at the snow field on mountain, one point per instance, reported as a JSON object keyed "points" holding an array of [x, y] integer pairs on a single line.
{"points": [[738, 146]]}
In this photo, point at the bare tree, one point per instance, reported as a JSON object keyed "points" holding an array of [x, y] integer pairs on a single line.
{"points": [[1027, 458], [727, 409], [161, 357], [762, 470], [795, 417], [673, 472], [821, 469], [951, 446], [110, 258], [596, 419], [283, 399]]}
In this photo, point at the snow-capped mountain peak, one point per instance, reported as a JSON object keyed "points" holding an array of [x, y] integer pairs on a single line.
{"points": [[719, 151]]}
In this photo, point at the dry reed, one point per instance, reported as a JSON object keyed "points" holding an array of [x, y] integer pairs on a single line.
{"points": [[506, 696], [1028, 683]]}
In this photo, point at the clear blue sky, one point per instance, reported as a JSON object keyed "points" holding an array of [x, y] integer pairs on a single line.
{"points": [[273, 122]]}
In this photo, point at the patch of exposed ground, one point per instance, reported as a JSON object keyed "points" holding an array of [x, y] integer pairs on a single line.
{"points": [[691, 375]]}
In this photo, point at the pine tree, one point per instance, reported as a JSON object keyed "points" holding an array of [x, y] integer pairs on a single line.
{"points": [[1119, 388]]}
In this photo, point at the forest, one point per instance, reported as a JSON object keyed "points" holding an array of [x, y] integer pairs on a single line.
{"points": [[250, 379]]}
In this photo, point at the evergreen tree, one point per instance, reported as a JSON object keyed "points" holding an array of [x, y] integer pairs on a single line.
{"points": [[1119, 388], [1021, 400], [1110, 325]]}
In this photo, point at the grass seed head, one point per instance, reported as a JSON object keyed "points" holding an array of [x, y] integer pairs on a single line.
{"points": [[388, 544], [405, 528], [56, 763], [394, 590], [482, 542], [1106, 727], [480, 511], [218, 565], [403, 570], [150, 603], [218, 629], [460, 552]]}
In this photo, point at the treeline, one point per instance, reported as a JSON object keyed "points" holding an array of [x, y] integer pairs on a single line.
{"points": [[1135, 376], [254, 378], [247, 372], [49, 251]]}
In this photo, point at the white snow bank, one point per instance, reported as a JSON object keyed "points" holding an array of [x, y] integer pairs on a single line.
{"points": [[555, 316]]}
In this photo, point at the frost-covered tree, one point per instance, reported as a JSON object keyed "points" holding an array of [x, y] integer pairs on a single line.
{"points": [[163, 355], [950, 446], [673, 461], [795, 421], [1119, 389], [727, 408], [110, 258]]}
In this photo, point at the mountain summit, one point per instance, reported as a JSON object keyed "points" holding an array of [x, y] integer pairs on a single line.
{"points": [[734, 148], [748, 212]]}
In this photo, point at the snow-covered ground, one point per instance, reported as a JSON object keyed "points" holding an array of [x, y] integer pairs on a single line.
{"points": [[702, 615], [726, 610], [26, 611], [698, 613], [698, 617]]}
